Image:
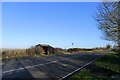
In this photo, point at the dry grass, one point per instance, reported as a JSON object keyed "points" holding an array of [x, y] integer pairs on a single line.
{"points": [[17, 53], [13, 53]]}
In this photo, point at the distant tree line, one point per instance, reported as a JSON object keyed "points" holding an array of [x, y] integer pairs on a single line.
{"points": [[78, 49]]}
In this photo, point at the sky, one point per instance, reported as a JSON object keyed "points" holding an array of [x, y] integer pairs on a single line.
{"points": [[0, 25], [25, 24]]}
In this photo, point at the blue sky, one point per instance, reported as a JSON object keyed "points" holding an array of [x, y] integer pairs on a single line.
{"points": [[58, 24]]}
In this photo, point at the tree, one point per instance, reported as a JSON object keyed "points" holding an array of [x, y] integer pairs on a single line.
{"points": [[108, 18], [108, 46]]}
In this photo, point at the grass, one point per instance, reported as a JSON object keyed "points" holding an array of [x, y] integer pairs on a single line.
{"points": [[109, 61], [86, 74], [104, 68]]}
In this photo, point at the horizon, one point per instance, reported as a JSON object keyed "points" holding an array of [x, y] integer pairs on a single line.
{"points": [[57, 24]]}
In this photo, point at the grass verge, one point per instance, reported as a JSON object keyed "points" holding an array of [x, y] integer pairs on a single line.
{"points": [[107, 67]]}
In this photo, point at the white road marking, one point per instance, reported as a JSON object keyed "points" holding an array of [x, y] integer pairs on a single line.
{"points": [[28, 67], [2, 63], [79, 68], [28, 60]]}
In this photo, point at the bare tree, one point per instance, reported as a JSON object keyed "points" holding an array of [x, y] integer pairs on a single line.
{"points": [[108, 18]]}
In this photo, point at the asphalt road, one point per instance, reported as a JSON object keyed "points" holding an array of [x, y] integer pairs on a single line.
{"points": [[50, 67]]}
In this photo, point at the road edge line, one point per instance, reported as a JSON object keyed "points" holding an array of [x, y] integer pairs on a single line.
{"points": [[80, 68]]}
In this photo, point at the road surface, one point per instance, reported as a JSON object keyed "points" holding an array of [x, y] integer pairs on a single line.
{"points": [[50, 67]]}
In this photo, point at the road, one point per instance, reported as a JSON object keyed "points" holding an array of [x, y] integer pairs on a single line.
{"points": [[50, 67]]}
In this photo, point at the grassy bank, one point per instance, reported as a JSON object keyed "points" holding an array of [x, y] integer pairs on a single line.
{"points": [[107, 67]]}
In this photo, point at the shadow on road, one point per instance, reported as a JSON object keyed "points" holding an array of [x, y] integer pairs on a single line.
{"points": [[64, 65]]}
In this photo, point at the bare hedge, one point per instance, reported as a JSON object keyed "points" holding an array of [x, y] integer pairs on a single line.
{"points": [[13, 53]]}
